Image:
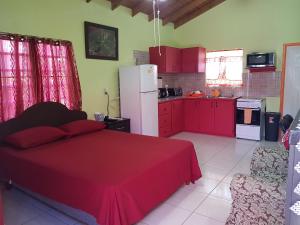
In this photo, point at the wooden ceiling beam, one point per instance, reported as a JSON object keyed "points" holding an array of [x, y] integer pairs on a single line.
{"points": [[169, 7], [115, 4], [187, 8], [138, 7], [197, 12]]}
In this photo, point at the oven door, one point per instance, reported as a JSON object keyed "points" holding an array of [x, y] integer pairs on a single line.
{"points": [[255, 118]]}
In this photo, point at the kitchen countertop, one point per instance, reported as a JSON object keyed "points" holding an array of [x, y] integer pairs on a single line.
{"points": [[160, 100]]}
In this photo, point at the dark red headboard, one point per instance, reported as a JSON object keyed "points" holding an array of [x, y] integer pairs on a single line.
{"points": [[41, 114]]}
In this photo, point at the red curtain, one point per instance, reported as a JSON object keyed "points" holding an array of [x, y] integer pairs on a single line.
{"points": [[36, 70], [16, 77]]}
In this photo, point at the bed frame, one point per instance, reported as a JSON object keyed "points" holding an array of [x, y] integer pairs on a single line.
{"points": [[42, 114], [46, 114]]}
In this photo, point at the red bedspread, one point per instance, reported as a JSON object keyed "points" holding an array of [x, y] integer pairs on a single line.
{"points": [[116, 177]]}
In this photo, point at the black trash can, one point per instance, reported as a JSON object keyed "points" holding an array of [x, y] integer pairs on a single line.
{"points": [[272, 126]]}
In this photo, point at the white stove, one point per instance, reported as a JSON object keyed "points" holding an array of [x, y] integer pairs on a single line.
{"points": [[250, 118]]}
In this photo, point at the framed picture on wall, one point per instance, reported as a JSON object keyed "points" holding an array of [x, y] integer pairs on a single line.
{"points": [[101, 42]]}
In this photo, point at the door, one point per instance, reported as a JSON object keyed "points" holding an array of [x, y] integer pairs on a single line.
{"points": [[149, 113], [148, 78], [205, 113], [191, 118], [290, 90], [224, 121], [177, 116]]}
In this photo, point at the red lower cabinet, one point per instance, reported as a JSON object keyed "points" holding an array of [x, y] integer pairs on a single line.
{"points": [[224, 119], [191, 118], [177, 116], [165, 119], [171, 117], [208, 116]]}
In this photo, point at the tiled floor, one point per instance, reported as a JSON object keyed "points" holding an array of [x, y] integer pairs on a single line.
{"points": [[205, 203]]}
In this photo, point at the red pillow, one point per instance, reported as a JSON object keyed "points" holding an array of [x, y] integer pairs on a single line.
{"points": [[35, 136], [82, 127]]}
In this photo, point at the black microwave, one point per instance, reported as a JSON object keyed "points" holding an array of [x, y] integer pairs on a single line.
{"points": [[260, 59]]}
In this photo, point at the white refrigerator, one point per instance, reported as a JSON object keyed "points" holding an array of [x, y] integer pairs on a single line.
{"points": [[139, 98]]}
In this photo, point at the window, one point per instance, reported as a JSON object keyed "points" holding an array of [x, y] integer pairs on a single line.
{"points": [[17, 83], [224, 68], [34, 70]]}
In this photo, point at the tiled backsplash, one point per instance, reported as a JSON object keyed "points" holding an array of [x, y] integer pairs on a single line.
{"points": [[254, 84], [265, 84]]}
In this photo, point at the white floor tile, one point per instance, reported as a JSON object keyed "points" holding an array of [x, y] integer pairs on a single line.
{"points": [[222, 191], [166, 215], [187, 198], [212, 172], [204, 185], [196, 219], [215, 208]]}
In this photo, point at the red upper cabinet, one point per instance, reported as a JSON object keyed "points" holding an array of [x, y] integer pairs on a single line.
{"points": [[193, 60], [169, 61]]}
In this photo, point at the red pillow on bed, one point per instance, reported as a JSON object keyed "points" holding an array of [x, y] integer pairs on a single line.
{"points": [[35, 136], [82, 127]]}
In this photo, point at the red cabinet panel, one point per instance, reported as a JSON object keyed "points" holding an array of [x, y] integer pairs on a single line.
{"points": [[165, 119], [206, 115], [164, 108], [177, 116], [193, 60], [191, 118], [169, 61], [224, 122]]}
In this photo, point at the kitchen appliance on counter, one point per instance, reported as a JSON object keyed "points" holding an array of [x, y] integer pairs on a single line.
{"points": [[250, 118], [138, 98], [175, 91], [162, 93]]}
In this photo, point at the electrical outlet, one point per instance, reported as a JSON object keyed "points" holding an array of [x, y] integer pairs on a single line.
{"points": [[105, 91]]}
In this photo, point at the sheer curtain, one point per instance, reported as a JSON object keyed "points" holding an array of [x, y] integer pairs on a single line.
{"points": [[17, 82], [57, 73], [224, 68], [34, 70]]}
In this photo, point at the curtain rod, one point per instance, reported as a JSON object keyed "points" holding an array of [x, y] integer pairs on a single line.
{"points": [[32, 37]]}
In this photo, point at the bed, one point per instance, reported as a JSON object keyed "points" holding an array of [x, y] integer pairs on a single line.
{"points": [[116, 177]]}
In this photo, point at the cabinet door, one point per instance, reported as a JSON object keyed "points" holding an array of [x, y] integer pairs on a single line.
{"points": [[206, 114], [193, 60], [191, 118], [159, 60], [224, 121], [173, 60], [168, 62], [177, 116]]}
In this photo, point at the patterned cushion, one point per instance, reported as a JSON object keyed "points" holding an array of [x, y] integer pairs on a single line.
{"points": [[256, 201], [270, 163]]}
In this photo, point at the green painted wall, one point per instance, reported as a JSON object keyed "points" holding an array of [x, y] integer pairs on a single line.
{"points": [[63, 19], [254, 25]]}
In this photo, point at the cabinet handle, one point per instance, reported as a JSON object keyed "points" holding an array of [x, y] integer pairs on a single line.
{"points": [[120, 128]]}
